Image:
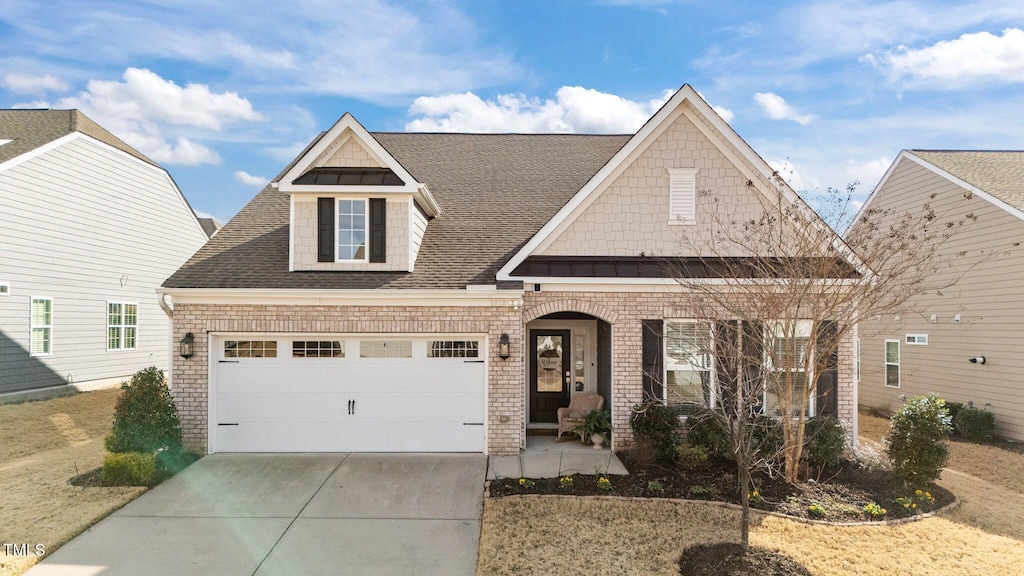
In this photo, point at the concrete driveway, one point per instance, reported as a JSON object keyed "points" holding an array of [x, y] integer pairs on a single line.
{"points": [[269, 514]]}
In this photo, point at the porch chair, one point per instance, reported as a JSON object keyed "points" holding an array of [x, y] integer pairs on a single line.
{"points": [[580, 405]]}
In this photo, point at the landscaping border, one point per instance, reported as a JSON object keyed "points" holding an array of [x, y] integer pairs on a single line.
{"points": [[893, 522]]}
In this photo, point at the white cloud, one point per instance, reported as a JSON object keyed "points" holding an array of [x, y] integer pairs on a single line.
{"points": [[960, 62], [776, 108], [867, 172], [794, 178], [155, 115], [722, 111], [250, 180], [29, 84], [574, 109]]}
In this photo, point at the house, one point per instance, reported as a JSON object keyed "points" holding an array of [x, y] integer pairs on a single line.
{"points": [[89, 228], [449, 292], [964, 343]]}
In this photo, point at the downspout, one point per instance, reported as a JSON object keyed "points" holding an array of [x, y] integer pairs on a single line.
{"points": [[162, 300]]}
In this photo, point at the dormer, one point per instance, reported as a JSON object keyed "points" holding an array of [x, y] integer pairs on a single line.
{"points": [[354, 207]]}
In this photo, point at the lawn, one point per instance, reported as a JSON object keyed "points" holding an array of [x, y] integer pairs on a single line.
{"points": [[569, 536], [42, 445]]}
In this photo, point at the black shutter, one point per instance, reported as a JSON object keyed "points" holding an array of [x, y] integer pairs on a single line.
{"points": [[753, 359], [653, 362], [827, 390], [325, 229], [378, 230], [726, 355]]}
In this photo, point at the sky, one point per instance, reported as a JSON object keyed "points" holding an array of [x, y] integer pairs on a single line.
{"points": [[225, 94]]}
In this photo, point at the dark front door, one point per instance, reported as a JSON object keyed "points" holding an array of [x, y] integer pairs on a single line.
{"points": [[550, 373]]}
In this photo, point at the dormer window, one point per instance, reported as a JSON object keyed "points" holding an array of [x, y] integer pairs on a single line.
{"points": [[352, 219]]}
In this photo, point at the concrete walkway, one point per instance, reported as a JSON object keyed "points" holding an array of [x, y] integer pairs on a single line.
{"points": [[311, 514], [545, 458]]}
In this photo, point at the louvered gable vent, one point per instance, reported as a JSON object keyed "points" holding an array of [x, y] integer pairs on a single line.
{"points": [[682, 195]]}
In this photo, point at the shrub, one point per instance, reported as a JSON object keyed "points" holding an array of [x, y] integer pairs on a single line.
{"points": [[824, 440], [917, 440], [129, 469], [655, 486], [766, 434], [145, 419], [170, 462], [954, 408], [692, 457], [704, 430], [974, 424], [657, 424]]}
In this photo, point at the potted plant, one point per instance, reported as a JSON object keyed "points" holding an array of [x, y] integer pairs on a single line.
{"points": [[596, 426]]}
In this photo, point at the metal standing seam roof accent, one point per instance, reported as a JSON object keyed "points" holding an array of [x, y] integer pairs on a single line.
{"points": [[30, 129], [496, 191], [997, 172]]}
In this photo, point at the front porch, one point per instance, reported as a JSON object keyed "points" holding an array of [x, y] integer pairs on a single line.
{"points": [[545, 458]]}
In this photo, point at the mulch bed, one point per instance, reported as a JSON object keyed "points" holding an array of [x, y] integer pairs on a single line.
{"points": [[90, 479], [841, 494], [728, 559]]}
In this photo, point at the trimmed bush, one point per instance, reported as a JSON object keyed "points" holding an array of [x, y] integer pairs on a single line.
{"points": [[170, 462], [704, 430], [974, 424], [954, 408], [145, 419], [691, 457], [824, 440], [916, 443], [766, 433], [129, 469], [656, 424]]}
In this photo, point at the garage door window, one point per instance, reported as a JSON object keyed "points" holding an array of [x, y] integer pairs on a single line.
{"points": [[250, 349], [385, 349], [318, 349], [453, 349]]}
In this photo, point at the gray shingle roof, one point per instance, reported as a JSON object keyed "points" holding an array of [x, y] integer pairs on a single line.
{"points": [[495, 191], [1000, 173], [30, 129]]}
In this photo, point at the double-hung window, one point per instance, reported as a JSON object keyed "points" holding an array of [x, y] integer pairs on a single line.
{"points": [[892, 363], [352, 218], [787, 346], [42, 327], [688, 367], [122, 325]]}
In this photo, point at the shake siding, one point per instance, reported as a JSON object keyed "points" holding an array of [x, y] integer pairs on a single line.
{"points": [[73, 222], [419, 226], [989, 297]]}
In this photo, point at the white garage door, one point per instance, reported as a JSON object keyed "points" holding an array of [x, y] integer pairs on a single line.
{"points": [[347, 394]]}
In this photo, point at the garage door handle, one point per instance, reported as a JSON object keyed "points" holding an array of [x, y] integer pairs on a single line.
{"points": [[231, 424], [228, 361], [472, 423], [472, 361]]}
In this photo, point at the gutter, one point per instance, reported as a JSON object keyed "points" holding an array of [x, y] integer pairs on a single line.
{"points": [[161, 299]]}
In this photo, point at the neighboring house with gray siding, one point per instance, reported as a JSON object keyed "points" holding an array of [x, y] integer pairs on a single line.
{"points": [[982, 315], [89, 228]]}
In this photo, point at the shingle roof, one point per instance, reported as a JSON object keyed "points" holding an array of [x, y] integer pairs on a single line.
{"points": [[495, 191], [1000, 173], [30, 129]]}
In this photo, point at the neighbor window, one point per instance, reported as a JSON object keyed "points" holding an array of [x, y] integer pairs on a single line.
{"points": [[687, 364], [453, 349], [250, 349], [892, 363], [787, 345], [385, 349], [5, 289], [318, 349], [351, 229], [122, 325], [918, 339], [42, 326]]}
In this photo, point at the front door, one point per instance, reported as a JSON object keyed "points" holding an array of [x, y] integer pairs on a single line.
{"points": [[550, 374]]}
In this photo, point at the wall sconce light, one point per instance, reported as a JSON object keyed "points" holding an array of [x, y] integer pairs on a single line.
{"points": [[187, 346], [978, 360], [503, 347]]}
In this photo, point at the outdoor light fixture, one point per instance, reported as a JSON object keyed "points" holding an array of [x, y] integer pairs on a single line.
{"points": [[503, 347], [978, 360], [187, 346]]}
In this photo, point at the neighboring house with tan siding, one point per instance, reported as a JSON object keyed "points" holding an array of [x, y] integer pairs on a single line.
{"points": [[89, 228], [982, 315], [450, 292]]}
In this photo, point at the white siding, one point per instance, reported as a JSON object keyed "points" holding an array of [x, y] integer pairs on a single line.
{"points": [[85, 224], [989, 298], [418, 225]]}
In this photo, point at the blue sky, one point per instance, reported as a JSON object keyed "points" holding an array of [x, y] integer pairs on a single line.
{"points": [[223, 94]]}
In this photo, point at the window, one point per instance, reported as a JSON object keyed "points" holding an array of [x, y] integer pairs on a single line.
{"points": [[917, 339], [250, 349], [682, 203], [453, 349], [351, 229], [892, 363], [687, 363], [318, 349], [787, 345], [385, 349], [5, 289], [42, 327], [122, 325]]}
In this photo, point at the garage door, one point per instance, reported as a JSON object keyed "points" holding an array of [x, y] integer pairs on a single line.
{"points": [[347, 394]]}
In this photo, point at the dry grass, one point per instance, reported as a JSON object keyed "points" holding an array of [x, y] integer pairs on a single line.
{"points": [[42, 445]]}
